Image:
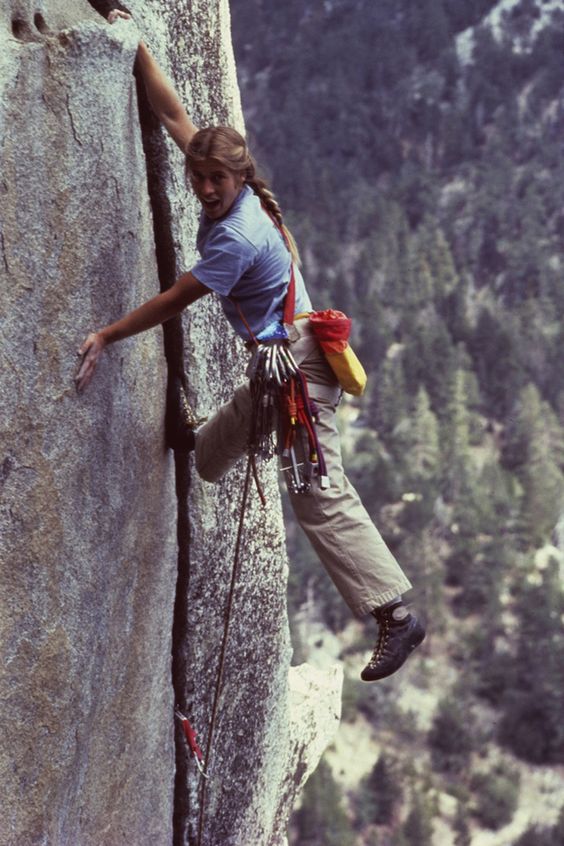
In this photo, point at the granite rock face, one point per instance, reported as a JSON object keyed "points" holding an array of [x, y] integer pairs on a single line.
{"points": [[98, 523], [88, 506]]}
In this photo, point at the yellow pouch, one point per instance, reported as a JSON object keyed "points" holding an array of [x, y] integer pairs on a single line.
{"points": [[348, 370]]}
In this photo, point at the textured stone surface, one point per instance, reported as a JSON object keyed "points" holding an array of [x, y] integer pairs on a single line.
{"points": [[89, 513], [315, 712], [88, 509]]}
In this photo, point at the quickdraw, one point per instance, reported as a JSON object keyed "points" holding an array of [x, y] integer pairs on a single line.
{"points": [[284, 417], [190, 736]]}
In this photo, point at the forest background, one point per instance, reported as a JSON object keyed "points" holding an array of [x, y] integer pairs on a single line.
{"points": [[417, 151]]}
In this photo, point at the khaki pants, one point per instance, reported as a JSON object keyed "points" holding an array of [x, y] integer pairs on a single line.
{"points": [[338, 526]]}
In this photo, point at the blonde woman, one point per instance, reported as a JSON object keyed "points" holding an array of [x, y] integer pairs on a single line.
{"points": [[247, 257]]}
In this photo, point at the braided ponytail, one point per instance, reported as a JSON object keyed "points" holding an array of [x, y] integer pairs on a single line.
{"points": [[227, 146], [270, 203]]}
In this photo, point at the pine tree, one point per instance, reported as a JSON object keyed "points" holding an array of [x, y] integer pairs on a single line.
{"points": [[416, 441], [418, 827], [405, 282], [535, 443], [380, 794], [321, 820], [430, 360], [455, 439], [375, 335], [496, 354], [421, 291], [441, 263], [425, 565], [557, 832], [497, 796], [451, 736], [390, 405], [533, 684], [461, 827]]}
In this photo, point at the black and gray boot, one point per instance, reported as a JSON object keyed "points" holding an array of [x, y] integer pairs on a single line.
{"points": [[400, 633], [180, 420]]}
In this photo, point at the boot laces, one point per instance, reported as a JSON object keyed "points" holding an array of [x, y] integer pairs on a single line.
{"points": [[383, 637]]}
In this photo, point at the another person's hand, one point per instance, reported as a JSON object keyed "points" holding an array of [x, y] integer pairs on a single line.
{"points": [[115, 14], [91, 350]]}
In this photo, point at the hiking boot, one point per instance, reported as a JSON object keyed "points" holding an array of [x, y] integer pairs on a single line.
{"points": [[397, 639], [180, 420], [180, 439]]}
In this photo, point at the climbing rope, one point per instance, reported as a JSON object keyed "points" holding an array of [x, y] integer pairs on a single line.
{"points": [[282, 421], [219, 680]]}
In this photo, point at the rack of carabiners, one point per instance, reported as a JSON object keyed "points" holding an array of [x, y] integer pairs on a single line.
{"points": [[284, 417]]}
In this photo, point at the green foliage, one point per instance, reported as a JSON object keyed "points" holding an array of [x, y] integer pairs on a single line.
{"points": [[430, 360], [375, 337], [427, 198], [418, 827], [477, 568], [544, 835], [373, 474], [496, 354], [461, 827], [416, 441], [532, 701], [537, 836], [377, 704], [321, 820], [390, 406], [497, 796], [451, 737], [535, 448], [486, 667], [379, 794], [445, 279], [351, 699]]}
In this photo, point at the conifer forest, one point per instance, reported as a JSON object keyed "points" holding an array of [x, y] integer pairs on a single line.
{"points": [[417, 150]]}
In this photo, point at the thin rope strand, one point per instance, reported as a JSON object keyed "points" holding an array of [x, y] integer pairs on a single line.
{"points": [[219, 681]]}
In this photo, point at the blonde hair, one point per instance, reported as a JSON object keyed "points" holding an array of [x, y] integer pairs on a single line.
{"points": [[228, 147]]}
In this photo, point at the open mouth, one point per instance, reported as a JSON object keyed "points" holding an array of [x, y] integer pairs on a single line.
{"points": [[211, 205]]}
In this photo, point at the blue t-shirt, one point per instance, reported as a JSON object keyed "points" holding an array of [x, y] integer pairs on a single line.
{"points": [[244, 256]]}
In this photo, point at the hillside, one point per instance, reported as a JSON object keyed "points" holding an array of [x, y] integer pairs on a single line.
{"points": [[417, 150]]}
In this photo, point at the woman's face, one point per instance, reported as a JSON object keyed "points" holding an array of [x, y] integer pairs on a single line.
{"points": [[215, 186]]}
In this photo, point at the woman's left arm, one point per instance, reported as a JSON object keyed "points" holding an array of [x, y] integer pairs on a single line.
{"points": [[162, 95], [185, 291]]}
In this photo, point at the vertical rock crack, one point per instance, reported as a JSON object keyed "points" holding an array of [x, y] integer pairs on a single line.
{"points": [[156, 157], [157, 167]]}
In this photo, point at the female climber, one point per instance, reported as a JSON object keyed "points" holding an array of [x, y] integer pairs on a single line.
{"points": [[247, 257]]}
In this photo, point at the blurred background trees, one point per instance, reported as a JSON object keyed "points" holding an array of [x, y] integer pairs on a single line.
{"points": [[416, 149]]}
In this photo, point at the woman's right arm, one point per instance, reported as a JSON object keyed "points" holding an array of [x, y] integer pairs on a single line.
{"points": [[163, 98], [185, 291]]}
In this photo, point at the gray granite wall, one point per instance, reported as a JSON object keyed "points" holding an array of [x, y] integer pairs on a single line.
{"points": [[96, 518]]}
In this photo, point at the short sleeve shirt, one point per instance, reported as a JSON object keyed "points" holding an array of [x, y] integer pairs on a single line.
{"points": [[245, 260]]}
